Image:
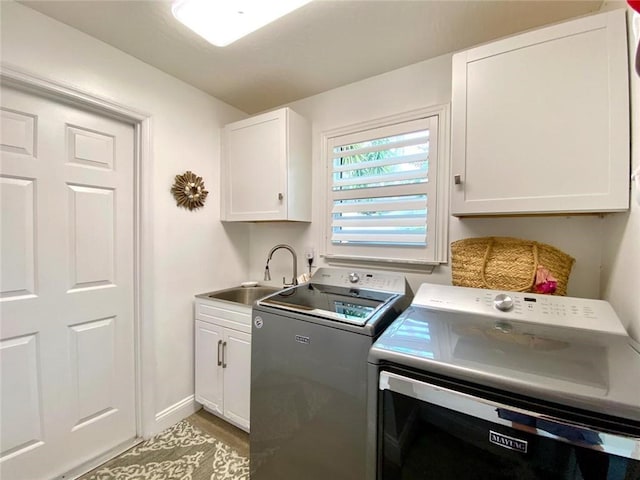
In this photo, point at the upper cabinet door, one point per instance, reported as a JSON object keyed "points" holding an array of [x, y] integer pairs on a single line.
{"points": [[540, 121], [266, 168]]}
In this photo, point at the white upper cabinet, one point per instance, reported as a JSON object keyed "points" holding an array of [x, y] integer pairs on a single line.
{"points": [[266, 168], [540, 121]]}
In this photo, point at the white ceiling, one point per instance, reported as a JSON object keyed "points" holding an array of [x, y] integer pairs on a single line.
{"points": [[323, 45]]}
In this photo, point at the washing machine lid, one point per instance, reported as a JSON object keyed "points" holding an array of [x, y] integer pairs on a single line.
{"points": [[347, 296], [572, 351], [341, 304]]}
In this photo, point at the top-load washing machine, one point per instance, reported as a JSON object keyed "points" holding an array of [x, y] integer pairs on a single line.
{"points": [[309, 351]]}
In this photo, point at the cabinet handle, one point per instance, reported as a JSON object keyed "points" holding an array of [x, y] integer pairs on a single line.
{"points": [[219, 361], [224, 354], [280, 196], [457, 179]]}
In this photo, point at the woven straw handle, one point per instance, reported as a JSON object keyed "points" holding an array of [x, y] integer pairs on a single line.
{"points": [[534, 249]]}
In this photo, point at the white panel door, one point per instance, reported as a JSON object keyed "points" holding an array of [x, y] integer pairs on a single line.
{"points": [[67, 384]]}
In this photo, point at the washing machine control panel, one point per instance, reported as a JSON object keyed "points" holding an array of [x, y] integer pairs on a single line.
{"points": [[361, 279]]}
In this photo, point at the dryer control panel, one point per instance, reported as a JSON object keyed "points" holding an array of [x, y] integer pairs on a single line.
{"points": [[580, 313]]}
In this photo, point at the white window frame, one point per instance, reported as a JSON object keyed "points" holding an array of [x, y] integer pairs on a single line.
{"points": [[436, 251]]}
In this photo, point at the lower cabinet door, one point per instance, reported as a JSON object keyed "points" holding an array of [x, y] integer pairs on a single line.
{"points": [[209, 375], [237, 376]]}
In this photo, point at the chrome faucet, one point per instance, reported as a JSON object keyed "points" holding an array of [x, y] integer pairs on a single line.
{"points": [[267, 275]]}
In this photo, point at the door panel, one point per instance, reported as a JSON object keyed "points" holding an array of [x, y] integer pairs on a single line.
{"points": [[17, 236], [237, 376], [18, 132], [91, 235], [90, 149], [208, 372], [66, 334], [93, 381], [21, 413]]}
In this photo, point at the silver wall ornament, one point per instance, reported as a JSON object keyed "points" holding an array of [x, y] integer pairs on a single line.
{"points": [[188, 190]]}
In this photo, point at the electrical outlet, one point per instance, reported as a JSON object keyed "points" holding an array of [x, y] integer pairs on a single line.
{"points": [[309, 253]]}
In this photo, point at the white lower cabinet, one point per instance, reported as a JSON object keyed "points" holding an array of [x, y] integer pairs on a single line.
{"points": [[223, 360]]}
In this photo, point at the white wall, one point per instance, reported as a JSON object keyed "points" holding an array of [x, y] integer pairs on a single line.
{"points": [[193, 251], [420, 85], [621, 262]]}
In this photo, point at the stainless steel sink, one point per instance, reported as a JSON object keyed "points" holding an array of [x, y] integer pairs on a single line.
{"points": [[244, 295]]}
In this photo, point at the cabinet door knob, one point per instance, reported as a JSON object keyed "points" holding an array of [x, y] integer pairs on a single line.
{"points": [[219, 361], [280, 196], [457, 179], [224, 354]]}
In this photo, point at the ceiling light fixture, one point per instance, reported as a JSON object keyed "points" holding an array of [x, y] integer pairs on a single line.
{"points": [[222, 22]]}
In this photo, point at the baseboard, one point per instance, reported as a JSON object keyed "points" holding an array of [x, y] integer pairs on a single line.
{"points": [[173, 414], [86, 467]]}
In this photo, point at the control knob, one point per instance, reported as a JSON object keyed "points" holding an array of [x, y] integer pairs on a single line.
{"points": [[503, 302], [354, 277]]}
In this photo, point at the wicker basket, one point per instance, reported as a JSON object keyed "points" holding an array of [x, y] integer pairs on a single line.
{"points": [[505, 263]]}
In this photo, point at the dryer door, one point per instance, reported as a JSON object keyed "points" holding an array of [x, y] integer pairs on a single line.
{"points": [[434, 432]]}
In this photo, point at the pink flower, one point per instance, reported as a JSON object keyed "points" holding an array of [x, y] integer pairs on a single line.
{"points": [[545, 282], [546, 287]]}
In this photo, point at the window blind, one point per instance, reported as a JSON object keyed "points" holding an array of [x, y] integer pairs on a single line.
{"points": [[379, 187]]}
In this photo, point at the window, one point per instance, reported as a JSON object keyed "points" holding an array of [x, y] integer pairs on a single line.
{"points": [[385, 199]]}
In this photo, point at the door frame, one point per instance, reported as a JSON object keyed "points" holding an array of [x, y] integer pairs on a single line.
{"points": [[143, 232]]}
